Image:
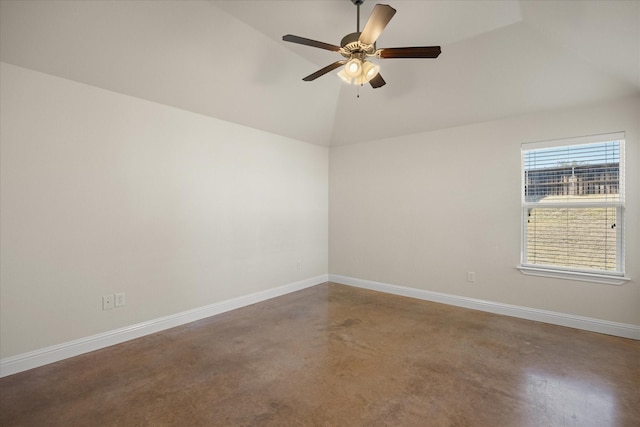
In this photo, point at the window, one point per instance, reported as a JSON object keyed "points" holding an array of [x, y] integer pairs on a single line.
{"points": [[573, 208]]}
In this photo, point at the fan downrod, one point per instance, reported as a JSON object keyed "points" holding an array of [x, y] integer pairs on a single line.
{"points": [[357, 3]]}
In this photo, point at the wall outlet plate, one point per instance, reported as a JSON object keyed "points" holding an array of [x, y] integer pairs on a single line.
{"points": [[107, 302], [120, 299]]}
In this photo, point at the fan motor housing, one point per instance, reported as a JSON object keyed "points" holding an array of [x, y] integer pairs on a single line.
{"points": [[351, 43]]}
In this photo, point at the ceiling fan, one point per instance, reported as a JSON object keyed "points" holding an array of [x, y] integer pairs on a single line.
{"points": [[357, 47]]}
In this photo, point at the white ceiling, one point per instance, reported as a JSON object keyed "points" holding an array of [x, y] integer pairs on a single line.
{"points": [[226, 59]]}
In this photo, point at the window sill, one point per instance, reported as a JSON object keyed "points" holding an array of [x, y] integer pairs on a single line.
{"points": [[573, 275]]}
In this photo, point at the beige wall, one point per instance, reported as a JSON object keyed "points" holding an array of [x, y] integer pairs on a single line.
{"points": [[423, 210], [105, 193]]}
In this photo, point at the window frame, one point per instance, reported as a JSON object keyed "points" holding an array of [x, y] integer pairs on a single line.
{"points": [[616, 277]]}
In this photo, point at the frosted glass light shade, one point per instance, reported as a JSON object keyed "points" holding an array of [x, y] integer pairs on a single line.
{"points": [[369, 70], [353, 68], [343, 75]]}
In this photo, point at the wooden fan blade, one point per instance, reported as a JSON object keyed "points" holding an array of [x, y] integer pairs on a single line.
{"points": [[377, 81], [324, 71], [380, 17], [308, 42], [410, 52]]}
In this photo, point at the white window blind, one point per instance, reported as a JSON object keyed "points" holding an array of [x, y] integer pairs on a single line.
{"points": [[573, 204]]}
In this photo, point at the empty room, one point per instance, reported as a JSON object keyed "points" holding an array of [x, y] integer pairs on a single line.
{"points": [[319, 213]]}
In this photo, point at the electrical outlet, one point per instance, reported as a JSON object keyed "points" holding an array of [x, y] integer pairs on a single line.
{"points": [[107, 302], [120, 299], [471, 276], [299, 264]]}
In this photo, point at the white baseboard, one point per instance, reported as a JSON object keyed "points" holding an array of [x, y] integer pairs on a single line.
{"points": [[22, 362], [586, 323], [33, 359]]}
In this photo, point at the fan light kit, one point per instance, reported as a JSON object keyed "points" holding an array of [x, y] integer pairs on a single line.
{"points": [[357, 47], [358, 72]]}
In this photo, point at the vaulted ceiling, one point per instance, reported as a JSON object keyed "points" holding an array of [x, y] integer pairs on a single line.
{"points": [[226, 59]]}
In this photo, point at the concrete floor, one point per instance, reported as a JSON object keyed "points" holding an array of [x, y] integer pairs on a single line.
{"points": [[334, 355]]}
